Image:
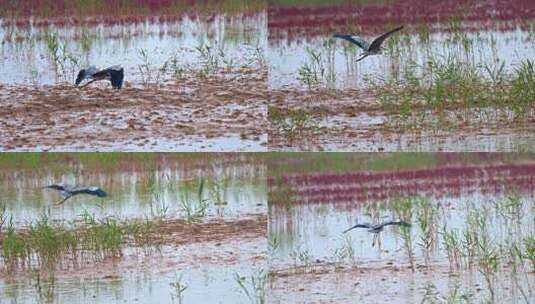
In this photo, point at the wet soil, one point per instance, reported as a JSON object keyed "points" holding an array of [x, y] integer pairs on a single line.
{"points": [[217, 113], [353, 120], [382, 284]]}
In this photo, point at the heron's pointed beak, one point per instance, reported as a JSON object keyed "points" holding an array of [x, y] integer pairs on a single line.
{"points": [[349, 229]]}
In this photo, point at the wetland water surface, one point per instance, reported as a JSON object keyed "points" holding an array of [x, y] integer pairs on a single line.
{"points": [[205, 215], [458, 213]]}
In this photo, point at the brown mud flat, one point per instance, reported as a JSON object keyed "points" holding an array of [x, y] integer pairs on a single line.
{"points": [[382, 284], [353, 120], [164, 117], [180, 245], [182, 232]]}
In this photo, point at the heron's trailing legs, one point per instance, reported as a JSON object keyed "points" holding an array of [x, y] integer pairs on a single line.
{"points": [[62, 201], [376, 240], [362, 57], [88, 83]]}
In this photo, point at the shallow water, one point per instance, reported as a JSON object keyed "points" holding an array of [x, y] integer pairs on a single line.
{"points": [[26, 58], [425, 142], [286, 57], [136, 194], [318, 228], [211, 281], [190, 144]]}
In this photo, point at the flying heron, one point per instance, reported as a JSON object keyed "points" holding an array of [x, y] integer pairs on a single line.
{"points": [[369, 49], [377, 228], [114, 74], [68, 191]]}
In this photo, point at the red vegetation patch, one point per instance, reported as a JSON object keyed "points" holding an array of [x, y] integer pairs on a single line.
{"points": [[297, 22], [438, 182]]}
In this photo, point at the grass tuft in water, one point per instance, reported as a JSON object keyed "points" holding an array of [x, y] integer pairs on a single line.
{"points": [[254, 287], [194, 210], [293, 124], [178, 289], [427, 219], [403, 209], [42, 245]]}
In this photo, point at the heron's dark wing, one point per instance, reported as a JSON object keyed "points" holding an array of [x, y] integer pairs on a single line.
{"points": [[91, 191], [363, 44], [56, 187], [366, 225], [399, 223], [115, 68], [102, 74], [80, 77], [376, 44], [116, 78], [115, 74]]}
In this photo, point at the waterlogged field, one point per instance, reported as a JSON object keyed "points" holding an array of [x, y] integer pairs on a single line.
{"points": [[176, 228], [457, 77], [195, 76], [470, 239]]}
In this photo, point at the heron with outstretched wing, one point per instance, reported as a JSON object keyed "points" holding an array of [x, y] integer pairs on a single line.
{"points": [[114, 74], [373, 48], [68, 191], [376, 228]]}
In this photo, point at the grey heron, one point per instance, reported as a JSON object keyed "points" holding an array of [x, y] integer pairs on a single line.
{"points": [[373, 48], [376, 228], [114, 74], [68, 191]]}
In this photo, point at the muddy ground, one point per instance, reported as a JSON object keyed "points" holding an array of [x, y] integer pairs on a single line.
{"points": [[323, 283], [217, 113], [353, 120]]}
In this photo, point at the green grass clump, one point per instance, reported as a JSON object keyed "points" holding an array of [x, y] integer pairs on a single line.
{"points": [[453, 84], [451, 241], [403, 208], [14, 247], [427, 220], [292, 124], [529, 244], [254, 287], [43, 245], [318, 69], [196, 208]]}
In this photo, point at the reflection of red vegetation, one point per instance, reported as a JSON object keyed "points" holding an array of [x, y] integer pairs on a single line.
{"points": [[109, 12], [438, 182], [311, 21]]}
